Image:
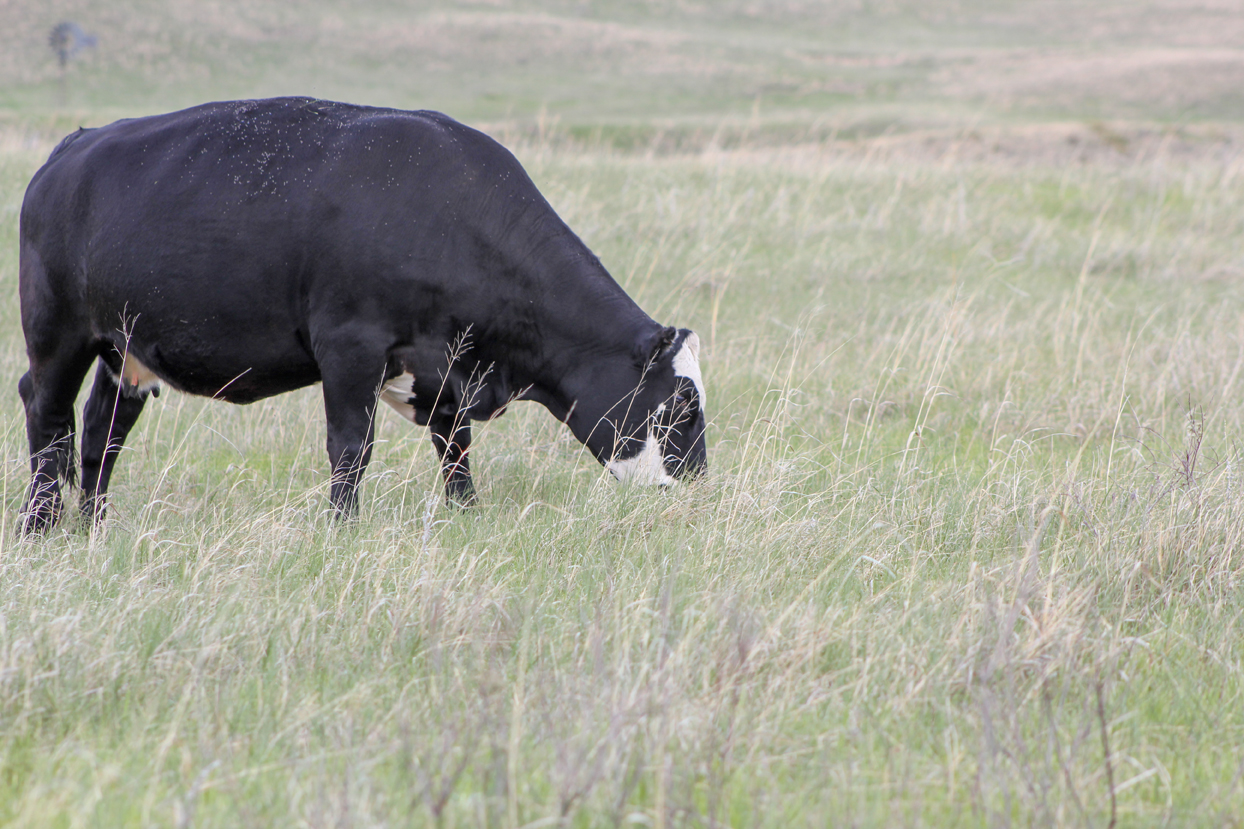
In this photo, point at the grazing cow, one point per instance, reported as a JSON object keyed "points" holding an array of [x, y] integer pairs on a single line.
{"points": [[242, 249]]}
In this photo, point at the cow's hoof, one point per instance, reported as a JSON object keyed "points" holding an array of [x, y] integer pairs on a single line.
{"points": [[92, 509], [345, 516], [461, 497], [345, 501], [40, 515]]}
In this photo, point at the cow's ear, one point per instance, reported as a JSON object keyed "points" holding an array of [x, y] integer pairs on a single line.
{"points": [[654, 346], [664, 343]]}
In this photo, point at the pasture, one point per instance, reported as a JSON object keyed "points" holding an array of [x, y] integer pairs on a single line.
{"points": [[971, 546]]}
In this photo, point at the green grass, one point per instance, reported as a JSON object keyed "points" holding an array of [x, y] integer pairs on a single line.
{"points": [[968, 554]]}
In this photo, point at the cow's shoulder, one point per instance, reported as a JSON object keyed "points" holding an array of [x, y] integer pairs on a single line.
{"points": [[425, 127]]}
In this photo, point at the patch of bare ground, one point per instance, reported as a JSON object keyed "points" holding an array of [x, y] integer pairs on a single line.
{"points": [[1180, 23], [1170, 79], [1082, 143], [1054, 144], [516, 39]]}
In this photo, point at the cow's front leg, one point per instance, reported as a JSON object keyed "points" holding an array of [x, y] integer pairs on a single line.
{"points": [[350, 407], [452, 445]]}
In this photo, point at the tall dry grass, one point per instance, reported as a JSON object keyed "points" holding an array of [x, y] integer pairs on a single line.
{"points": [[967, 553]]}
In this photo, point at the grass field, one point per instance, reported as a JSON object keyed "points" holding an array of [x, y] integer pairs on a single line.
{"points": [[968, 277]]}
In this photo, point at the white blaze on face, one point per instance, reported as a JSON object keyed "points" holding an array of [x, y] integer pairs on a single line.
{"points": [[687, 364], [646, 467], [400, 394]]}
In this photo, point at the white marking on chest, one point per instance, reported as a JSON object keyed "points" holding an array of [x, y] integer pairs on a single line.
{"points": [[687, 364], [646, 467], [399, 393]]}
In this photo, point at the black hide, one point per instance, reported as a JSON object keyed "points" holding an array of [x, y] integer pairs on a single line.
{"points": [[242, 249]]}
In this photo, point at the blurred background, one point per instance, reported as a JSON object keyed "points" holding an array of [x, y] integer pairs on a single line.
{"points": [[656, 73]]}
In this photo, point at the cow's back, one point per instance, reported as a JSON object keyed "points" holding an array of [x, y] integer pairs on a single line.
{"points": [[239, 158], [224, 238]]}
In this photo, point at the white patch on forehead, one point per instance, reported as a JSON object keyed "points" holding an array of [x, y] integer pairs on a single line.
{"points": [[646, 467], [399, 393], [687, 364]]}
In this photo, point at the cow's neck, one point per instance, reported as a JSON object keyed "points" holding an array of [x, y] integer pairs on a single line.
{"points": [[589, 326]]}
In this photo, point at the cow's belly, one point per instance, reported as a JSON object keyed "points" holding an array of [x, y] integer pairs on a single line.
{"points": [[239, 363], [237, 377], [235, 381]]}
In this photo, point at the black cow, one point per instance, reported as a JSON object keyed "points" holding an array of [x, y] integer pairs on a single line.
{"points": [[242, 249]]}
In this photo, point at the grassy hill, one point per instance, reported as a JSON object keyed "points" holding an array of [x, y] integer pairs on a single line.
{"points": [[608, 61]]}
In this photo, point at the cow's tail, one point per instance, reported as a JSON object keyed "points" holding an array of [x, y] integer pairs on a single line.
{"points": [[63, 455], [71, 461], [63, 451], [66, 455]]}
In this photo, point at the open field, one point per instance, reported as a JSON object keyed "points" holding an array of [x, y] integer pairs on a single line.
{"points": [[853, 65], [971, 551]]}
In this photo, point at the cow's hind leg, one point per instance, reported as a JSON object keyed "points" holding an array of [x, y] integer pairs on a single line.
{"points": [[452, 438], [109, 416], [48, 391], [350, 396]]}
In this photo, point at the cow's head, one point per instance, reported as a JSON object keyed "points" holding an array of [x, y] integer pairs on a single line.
{"points": [[654, 433]]}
